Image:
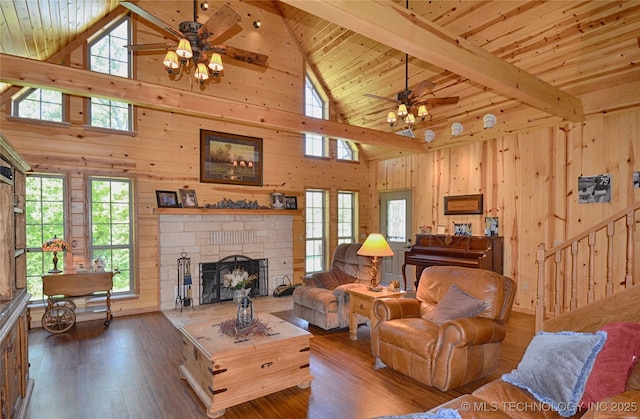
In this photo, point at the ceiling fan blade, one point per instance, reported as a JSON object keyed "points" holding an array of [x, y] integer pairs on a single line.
{"points": [[156, 46], [238, 54], [151, 18], [380, 97], [219, 23], [434, 101], [422, 88]]}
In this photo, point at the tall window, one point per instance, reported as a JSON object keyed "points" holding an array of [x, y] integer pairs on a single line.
{"points": [[346, 217], [108, 54], [111, 227], [42, 104], [316, 227], [44, 214], [315, 106]]}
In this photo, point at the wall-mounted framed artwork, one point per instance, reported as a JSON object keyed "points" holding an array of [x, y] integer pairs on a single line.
{"points": [[230, 158], [594, 189], [188, 198], [167, 199], [463, 204], [291, 202]]}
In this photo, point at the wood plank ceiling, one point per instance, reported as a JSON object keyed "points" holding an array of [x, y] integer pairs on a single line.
{"points": [[532, 64]]}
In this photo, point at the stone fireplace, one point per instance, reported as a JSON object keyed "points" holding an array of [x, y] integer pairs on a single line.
{"points": [[211, 235]]}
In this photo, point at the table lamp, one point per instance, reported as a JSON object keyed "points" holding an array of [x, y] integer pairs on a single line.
{"points": [[375, 245], [55, 245]]}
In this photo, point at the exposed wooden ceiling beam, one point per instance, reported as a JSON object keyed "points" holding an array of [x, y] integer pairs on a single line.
{"points": [[25, 72], [397, 27]]}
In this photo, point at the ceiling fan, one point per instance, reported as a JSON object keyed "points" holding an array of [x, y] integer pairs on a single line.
{"points": [[195, 42], [413, 103]]}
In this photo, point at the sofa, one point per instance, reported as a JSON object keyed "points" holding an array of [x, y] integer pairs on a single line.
{"points": [[323, 300], [584, 365], [451, 333]]}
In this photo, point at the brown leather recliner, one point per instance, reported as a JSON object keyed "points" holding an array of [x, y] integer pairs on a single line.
{"points": [[457, 351], [323, 301]]}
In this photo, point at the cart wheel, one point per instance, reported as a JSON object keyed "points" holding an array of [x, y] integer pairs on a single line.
{"points": [[66, 303], [58, 319]]}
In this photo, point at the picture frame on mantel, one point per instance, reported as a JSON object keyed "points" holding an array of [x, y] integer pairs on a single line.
{"points": [[167, 199], [463, 204], [230, 158]]}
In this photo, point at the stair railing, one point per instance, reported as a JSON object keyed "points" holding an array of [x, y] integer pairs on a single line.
{"points": [[551, 265]]}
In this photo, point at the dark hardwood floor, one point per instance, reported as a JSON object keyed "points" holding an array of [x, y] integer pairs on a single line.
{"points": [[130, 370]]}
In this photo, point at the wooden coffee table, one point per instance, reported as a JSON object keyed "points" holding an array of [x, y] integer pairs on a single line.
{"points": [[361, 302], [224, 371]]}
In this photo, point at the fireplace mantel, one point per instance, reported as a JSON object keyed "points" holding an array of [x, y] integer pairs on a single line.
{"points": [[223, 211]]}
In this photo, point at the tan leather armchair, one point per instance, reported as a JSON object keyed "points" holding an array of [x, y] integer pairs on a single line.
{"points": [[323, 300], [457, 351]]}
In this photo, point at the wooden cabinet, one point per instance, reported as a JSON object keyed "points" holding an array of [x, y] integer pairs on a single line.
{"points": [[15, 385]]}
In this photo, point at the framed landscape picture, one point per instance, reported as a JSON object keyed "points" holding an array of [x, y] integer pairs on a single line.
{"points": [[230, 158]]}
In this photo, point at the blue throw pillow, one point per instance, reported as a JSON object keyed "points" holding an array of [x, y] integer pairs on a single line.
{"points": [[442, 413], [555, 368]]}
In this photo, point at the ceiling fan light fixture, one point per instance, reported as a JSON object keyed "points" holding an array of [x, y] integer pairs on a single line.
{"points": [[410, 119], [171, 61], [402, 110], [215, 64], [184, 49], [391, 118], [422, 111], [201, 73]]}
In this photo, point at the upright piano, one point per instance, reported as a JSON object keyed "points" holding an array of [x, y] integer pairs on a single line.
{"points": [[481, 252]]}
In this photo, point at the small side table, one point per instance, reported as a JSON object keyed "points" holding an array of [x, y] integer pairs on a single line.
{"points": [[361, 302]]}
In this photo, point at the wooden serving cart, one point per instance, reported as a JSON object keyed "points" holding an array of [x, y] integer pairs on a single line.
{"points": [[60, 315]]}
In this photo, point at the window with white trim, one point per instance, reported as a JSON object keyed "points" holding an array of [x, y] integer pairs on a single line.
{"points": [[45, 215], [42, 104], [316, 227], [315, 106], [111, 227], [108, 54], [346, 217], [346, 150]]}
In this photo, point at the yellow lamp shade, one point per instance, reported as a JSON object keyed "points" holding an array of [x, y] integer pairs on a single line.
{"points": [[201, 72], [410, 119], [402, 110], [184, 49], [422, 111], [215, 63], [171, 60], [375, 245], [391, 118]]}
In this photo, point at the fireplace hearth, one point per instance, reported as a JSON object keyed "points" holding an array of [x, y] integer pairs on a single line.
{"points": [[212, 274]]}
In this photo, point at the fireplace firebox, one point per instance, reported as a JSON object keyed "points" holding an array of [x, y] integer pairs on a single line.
{"points": [[212, 274]]}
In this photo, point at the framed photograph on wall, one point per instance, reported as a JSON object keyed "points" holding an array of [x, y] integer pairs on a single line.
{"points": [[291, 202], [167, 199], [188, 198], [594, 189], [230, 158]]}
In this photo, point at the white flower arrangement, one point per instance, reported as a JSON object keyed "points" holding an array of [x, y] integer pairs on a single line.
{"points": [[237, 279]]}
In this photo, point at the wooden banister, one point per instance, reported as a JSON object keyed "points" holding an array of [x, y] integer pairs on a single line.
{"points": [[552, 280]]}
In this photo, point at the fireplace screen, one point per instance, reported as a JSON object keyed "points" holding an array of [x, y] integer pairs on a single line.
{"points": [[212, 274]]}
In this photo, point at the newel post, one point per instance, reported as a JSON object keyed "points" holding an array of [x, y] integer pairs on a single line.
{"points": [[540, 257]]}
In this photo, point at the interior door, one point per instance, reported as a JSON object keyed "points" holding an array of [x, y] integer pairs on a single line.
{"points": [[396, 225]]}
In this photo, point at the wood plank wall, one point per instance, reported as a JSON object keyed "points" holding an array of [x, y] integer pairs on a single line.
{"points": [[530, 182], [164, 154]]}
